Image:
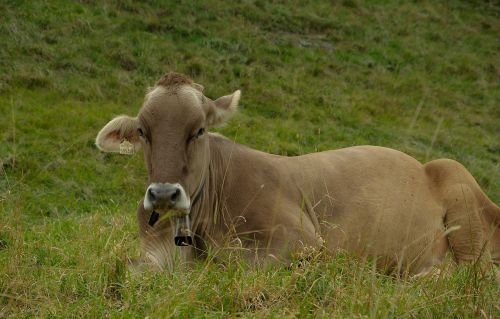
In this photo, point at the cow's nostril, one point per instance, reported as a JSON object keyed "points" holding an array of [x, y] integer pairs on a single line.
{"points": [[151, 194], [175, 195]]}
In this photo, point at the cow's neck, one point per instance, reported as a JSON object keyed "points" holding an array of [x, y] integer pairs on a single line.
{"points": [[206, 213], [212, 215]]}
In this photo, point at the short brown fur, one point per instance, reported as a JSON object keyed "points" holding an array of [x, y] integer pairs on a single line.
{"points": [[365, 199], [173, 79]]}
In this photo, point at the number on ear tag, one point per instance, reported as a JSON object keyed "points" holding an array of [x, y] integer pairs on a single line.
{"points": [[126, 148]]}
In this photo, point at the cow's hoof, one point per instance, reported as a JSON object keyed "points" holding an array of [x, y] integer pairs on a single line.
{"points": [[428, 273]]}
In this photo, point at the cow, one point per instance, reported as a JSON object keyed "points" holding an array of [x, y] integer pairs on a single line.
{"points": [[368, 200]]}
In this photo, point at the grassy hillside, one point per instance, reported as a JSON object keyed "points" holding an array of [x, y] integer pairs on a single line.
{"points": [[421, 77]]}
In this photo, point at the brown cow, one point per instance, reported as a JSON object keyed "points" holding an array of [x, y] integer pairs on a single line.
{"points": [[365, 199]]}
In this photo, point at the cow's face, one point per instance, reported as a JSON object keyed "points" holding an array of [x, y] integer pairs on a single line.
{"points": [[171, 128]]}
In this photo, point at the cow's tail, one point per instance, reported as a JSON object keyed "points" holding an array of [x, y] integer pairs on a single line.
{"points": [[490, 209], [491, 213], [468, 210]]}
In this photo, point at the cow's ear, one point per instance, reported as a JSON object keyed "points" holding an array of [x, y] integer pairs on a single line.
{"points": [[199, 87], [121, 128], [223, 108]]}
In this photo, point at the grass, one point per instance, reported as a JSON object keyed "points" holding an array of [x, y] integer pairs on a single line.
{"points": [[422, 77]]}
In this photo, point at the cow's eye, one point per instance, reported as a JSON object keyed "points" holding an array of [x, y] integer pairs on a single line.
{"points": [[196, 135], [201, 131], [140, 132]]}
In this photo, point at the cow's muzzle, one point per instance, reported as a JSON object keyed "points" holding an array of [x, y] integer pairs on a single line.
{"points": [[166, 196]]}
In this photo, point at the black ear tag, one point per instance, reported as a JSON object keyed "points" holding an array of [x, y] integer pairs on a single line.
{"points": [[153, 218]]}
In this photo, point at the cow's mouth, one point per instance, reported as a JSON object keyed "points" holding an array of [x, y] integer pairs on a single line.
{"points": [[168, 201], [158, 215]]}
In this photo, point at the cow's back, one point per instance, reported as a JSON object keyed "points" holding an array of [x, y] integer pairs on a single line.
{"points": [[374, 200]]}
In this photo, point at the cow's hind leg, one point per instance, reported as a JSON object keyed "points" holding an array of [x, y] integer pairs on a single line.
{"points": [[462, 219]]}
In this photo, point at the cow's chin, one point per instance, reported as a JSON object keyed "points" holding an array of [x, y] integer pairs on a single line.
{"points": [[172, 212]]}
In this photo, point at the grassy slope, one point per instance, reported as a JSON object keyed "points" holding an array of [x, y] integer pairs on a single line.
{"points": [[422, 78]]}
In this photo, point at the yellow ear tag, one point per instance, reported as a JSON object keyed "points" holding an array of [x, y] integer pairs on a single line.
{"points": [[126, 148]]}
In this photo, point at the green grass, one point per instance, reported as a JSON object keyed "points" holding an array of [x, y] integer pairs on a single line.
{"points": [[421, 77]]}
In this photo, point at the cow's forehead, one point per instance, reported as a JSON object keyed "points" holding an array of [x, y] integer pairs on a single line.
{"points": [[163, 101], [186, 93]]}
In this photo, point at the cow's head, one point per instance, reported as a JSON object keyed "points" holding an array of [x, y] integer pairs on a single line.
{"points": [[171, 129]]}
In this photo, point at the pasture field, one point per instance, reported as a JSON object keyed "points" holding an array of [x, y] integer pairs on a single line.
{"points": [[418, 76]]}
